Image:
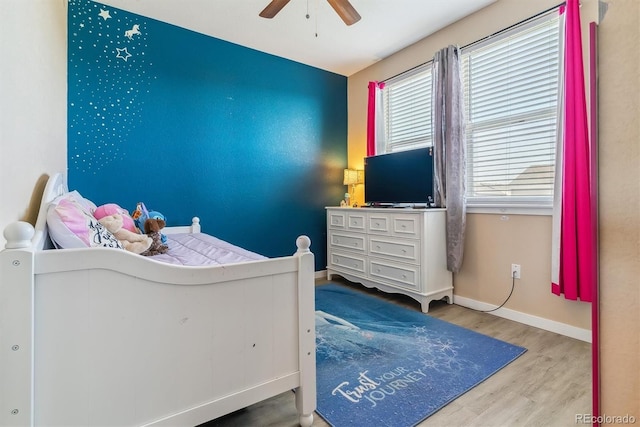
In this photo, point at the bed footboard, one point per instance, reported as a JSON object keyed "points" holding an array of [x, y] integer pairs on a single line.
{"points": [[104, 337]]}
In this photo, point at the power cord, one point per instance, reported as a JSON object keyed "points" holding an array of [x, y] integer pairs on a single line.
{"points": [[513, 285]]}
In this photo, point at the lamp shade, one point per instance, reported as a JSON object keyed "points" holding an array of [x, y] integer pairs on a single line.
{"points": [[353, 177]]}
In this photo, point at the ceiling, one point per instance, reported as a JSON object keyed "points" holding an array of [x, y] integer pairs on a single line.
{"points": [[322, 40]]}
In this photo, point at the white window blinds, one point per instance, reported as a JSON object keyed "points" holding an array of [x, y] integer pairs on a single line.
{"points": [[407, 110], [511, 95]]}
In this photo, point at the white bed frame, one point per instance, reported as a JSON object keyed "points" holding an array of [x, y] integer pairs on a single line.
{"points": [[99, 336]]}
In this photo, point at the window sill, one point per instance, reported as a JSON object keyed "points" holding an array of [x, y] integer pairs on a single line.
{"points": [[516, 209]]}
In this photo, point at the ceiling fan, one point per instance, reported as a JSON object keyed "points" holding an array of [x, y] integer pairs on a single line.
{"points": [[343, 8]]}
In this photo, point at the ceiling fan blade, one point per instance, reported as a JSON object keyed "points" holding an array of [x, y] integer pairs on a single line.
{"points": [[345, 10], [273, 8]]}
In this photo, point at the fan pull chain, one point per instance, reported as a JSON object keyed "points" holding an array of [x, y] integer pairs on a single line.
{"points": [[316, 16]]}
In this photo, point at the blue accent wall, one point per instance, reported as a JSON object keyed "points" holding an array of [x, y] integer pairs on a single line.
{"points": [[191, 125]]}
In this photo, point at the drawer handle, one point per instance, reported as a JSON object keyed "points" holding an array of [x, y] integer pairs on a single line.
{"points": [[404, 251], [377, 270], [404, 276], [355, 244], [377, 246], [403, 226]]}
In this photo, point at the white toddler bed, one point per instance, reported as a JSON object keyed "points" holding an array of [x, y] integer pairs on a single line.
{"points": [[104, 337]]}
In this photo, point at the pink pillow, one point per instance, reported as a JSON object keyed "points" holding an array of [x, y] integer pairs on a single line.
{"points": [[71, 224]]}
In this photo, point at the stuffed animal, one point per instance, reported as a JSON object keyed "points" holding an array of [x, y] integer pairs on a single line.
{"points": [[113, 209], [141, 214], [152, 227], [158, 215], [133, 242]]}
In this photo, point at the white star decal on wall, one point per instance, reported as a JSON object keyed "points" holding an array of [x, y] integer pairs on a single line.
{"points": [[105, 94], [123, 54], [104, 14]]}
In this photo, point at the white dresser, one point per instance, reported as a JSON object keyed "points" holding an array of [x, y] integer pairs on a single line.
{"points": [[394, 250]]}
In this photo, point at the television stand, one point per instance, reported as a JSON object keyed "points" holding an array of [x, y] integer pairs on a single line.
{"points": [[396, 251]]}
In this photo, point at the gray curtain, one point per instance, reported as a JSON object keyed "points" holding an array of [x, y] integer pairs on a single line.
{"points": [[449, 148]]}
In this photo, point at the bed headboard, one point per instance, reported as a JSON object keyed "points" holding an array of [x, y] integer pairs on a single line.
{"points": [[56, 186]]}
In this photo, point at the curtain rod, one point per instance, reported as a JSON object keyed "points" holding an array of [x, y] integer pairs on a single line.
{"points": [[485, 38]]}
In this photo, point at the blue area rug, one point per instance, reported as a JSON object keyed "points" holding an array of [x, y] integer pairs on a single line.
{"points": [[380, 364]]}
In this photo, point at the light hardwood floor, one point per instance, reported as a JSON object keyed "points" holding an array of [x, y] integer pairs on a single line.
{"points": [[547, 386]]}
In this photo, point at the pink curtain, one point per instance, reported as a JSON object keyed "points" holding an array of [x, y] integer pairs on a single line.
{"points": [[575, 276], [373, 110]]}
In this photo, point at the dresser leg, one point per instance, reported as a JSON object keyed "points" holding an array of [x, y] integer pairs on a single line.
{"points": [[424, 304]]}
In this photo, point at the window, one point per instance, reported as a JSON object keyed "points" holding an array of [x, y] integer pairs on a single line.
{"points": [[511, 94], [406, 102]]}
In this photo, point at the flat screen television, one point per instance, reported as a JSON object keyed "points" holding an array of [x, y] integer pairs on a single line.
{"points": [[400, 178]]}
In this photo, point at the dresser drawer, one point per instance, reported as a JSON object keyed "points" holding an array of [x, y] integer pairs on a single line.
{"points": [[404, 250], [347, 262], [406, 226], [380, 223], [354, 242], [407, 276], [356, 220], [337, 219]]}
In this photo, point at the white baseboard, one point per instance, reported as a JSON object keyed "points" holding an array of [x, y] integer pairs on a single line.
{"points": [[322, 274], [527, 319]]}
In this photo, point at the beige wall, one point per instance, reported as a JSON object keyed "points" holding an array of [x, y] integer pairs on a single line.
{"points": [[619, 102], [494, 241], [33, 101]]}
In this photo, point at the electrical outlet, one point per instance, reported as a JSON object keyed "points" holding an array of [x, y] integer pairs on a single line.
{"points": [[515, 271]]}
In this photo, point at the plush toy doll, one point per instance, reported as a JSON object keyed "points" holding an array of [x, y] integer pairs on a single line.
{"points": [[113, 209], [133, 242], [152, 227], [140, 215]]}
